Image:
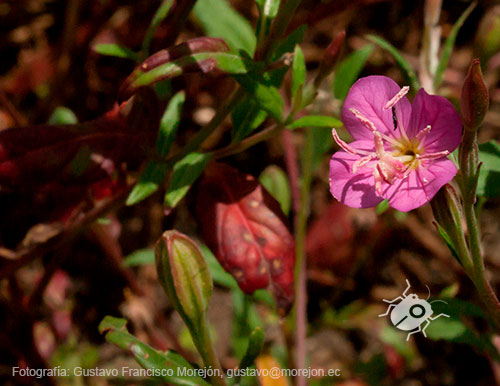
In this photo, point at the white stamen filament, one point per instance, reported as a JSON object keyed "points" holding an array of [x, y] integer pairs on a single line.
{"points": [[396, 98], [422, 133], [370, 125], [429, 156], [346, 147], [362, 162]]}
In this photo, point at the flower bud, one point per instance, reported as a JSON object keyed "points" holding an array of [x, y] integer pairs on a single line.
{"points": [[475, 100], [487, 42], [184, 274], [447, 208], [330, 58]]}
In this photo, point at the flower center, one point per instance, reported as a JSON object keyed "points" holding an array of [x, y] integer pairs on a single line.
{"points": [[407, 151]]}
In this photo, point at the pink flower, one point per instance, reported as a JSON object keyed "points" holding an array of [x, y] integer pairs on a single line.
{"points": [[399, 152]]}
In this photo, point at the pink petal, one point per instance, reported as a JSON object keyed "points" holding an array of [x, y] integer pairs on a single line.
{"points": [[413, 191], [356, 190], [369, 96], [446, 127]]}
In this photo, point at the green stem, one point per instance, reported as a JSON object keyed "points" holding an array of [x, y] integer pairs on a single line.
{"points": [[206, 349], [484, 289], [158, 17], [238, 147], [205, 132], [285, 13], [468, 159]]}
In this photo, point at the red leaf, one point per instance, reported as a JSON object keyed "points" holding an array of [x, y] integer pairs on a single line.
{"points": [[190, 47], [35, 155], [53, 176], [330, 240], [243, 226]]}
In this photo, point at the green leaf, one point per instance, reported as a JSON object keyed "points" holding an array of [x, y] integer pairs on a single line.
{"points": [[140, 257], [246, 117], [219, 275], [155, 173], [81, 161], [204, 62], [449, 43], [408, 71], [451, 291], [255, 343], [298, 71], [382, 207], [169, 124], [315, 121], [276, 182], [489, 175], [349, 70], [396, 339], [163, 89], [112, 323], [269, 8], [447, 240], [151, 178], [185, 172], [62, 116], [445, 328], [289, 42], [284, 46], [149, 358], [160, 14], [115, 50], [268, 97], [245, 320], [322, 141], [219, 19]]}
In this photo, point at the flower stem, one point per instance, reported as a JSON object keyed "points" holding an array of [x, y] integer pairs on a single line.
{"points": [[301, 205], [483, 287], [468, 158], [248, 142], [206, 349]]}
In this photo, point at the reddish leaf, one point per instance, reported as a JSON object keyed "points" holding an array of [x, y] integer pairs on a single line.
{"points": [[35, 155], [330, 240], [185, 49], [243, 226], [395, 362], [335, 239], [51, 177]]}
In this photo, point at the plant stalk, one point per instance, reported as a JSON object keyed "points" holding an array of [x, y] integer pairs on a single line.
{"points": [[207, 352], [483, 287], [301, 200]]}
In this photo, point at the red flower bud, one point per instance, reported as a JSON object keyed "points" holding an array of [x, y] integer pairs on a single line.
{"points": [[330, 58], [475, 99], [244, 227]]}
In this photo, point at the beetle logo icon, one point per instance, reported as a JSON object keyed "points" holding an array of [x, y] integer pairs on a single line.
{"points": [[411, 312]]}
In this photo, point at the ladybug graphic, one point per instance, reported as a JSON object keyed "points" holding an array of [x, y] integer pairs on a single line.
{"points": [[411, 312]]}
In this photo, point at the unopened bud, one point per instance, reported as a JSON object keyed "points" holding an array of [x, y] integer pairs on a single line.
{"points": [[184, 275], [487, 38], [475, 99], [447, 208], [330, 58]]}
